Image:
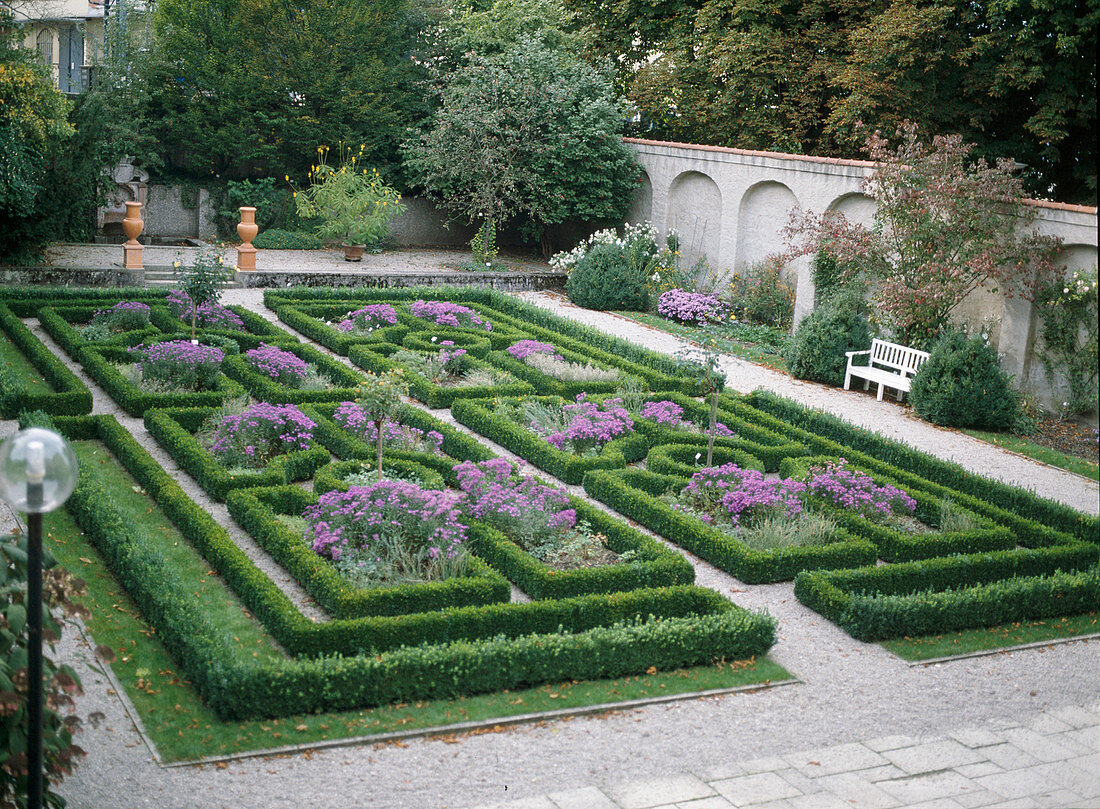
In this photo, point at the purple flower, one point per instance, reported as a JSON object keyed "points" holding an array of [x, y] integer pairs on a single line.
{"points": [[529, 512], [210, 315], [395, 435], [590, 426], [285, 368], [370, 317], [855, 491], [526, 348], [123, 316], [261, 432], [180, 363], [445, 313], [690, 307]]}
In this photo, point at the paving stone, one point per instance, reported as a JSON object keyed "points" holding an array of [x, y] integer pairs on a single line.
{"points": [[857, 792], [977, 737], [534, 802], [713, 802], [891, 743], [937, 803], [1048, 724], [801, 782], [777, 804], [1090, 763], [1019, 783], [819, 800], [756, 788], [1086, 737], [933, 756], [654, 792], [1077, 717], [1044, 748], [929, 786], [585, 798], [716, 772], [1069, 775], [1009, 756], [880, 773], [836, 759], [764, 765], [1019, 803], [978, 769], [1064, 797], [976, 798]]}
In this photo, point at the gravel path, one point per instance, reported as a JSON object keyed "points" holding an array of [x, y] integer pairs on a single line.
{"points": [[850, 691]]}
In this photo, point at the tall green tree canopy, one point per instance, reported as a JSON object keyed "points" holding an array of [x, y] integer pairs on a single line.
{"points": [[533, 133], [244, 88], [1015, 77]]}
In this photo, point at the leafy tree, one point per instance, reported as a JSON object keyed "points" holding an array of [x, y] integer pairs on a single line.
{"points": [[1017, 77], [532, 132], [249, 88], [944, 226], [33, 118]]}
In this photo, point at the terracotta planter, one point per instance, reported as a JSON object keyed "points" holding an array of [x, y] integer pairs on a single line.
{"points": [[132, 227], [247, 230], [353, 252]]}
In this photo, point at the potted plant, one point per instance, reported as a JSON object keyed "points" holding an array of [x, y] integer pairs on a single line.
{"points": [[352, 202]]}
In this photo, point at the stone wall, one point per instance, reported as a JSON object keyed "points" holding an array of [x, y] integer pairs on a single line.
{"points": [[730, 205]]}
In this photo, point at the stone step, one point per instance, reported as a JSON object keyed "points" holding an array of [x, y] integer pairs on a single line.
{"points": [[166, 283]]}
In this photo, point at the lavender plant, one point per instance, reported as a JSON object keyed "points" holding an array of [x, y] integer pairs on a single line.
{"points": [[365, 320], [445, 313], [390, 532], [286, 368], [251, 438], [179, 364]]}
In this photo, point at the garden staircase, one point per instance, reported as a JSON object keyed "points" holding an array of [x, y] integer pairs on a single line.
{"points": [[164, 277]]}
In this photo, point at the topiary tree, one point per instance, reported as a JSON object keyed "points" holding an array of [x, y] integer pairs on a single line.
{"points": [[961, 384], [379, 397], [202, 281], [606, 278], [817, 349]]}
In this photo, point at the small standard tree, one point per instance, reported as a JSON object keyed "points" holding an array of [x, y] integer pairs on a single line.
{"points": [[379, 396], [945, 225], [202, 281]]}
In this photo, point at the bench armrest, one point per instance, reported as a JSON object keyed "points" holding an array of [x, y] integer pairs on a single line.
{"points": [[850, 354]]}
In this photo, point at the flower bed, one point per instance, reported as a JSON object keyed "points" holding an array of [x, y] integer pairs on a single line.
{"points": [[320, 377], [69, 396]]}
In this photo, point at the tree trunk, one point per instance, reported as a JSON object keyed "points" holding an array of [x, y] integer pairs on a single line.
{"points": [[378, 425], [710, 432]]}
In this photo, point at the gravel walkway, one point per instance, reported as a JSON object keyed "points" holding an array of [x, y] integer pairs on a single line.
{"points": [[849, 692]]}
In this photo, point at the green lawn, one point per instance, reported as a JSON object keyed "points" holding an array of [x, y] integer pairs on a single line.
{"points": [[183, 728], [995, 637], [1015, 443], [12, 359], [760, 344]]}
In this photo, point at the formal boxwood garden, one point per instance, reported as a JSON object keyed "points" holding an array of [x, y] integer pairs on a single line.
{"points": [[963, 552], [66, 394]]}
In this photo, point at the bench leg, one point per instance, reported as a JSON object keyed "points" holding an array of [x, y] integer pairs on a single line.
{"points": [[900, 394], [880, 391], [847, 379], [866, 384]]}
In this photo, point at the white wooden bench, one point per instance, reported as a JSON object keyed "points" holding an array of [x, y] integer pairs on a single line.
{"points": [[891, 365]]}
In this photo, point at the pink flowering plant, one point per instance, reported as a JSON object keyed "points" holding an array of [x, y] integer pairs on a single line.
{"points": [[123, 316], [445, 313], [208, 315], [395, 435], [740, 496], [691, 307], [391, 532], [585, 426], [178, 364], [260, 432], [671, 415], [288, 369], [846, 488], [367, 319], [527, 348]]}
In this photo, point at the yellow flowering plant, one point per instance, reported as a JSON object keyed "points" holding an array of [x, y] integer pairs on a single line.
{"points": [[353, 203]]}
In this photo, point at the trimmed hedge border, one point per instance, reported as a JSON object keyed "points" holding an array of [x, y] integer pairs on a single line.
{"points": [[25, 301], [895, 545], [432, 395], [1037, 521], [59, 324], [70, 396], [618, 452], [633, 493], [308, 321], [175, 428], [475, 345], [686, 459], [548, 385], [256, 509], [265, 389], [331, 477], [99, 364], [951, 594], [258, 329], [609, 638]]}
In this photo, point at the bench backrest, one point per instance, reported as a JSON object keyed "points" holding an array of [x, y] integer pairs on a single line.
{"points": [[892, 355]]}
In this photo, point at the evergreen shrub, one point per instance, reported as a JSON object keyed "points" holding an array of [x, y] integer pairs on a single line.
{"points": [[961, 384]]}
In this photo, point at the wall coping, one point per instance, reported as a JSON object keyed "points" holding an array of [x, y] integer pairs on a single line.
{"points": [[836, 161]]}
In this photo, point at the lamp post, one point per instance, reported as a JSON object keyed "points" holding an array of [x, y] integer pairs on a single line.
{"points": [[38, 472]]}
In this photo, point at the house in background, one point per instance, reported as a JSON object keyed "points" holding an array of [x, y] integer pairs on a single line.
{"points": [[68, 36]]}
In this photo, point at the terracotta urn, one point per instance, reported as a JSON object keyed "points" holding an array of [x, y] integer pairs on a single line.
{"points": [[353, 252], [132, 226], [247, 230]]}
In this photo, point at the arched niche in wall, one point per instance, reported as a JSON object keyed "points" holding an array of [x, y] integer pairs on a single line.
{"points": [[1077, 256], [763, 214], [857, 208], [695, 213], [641, 207]]}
